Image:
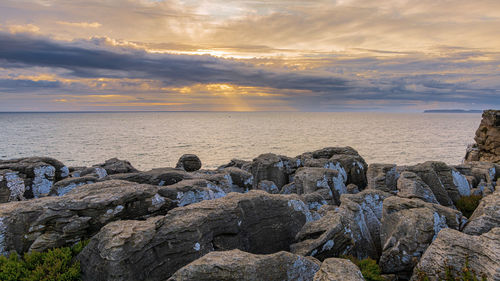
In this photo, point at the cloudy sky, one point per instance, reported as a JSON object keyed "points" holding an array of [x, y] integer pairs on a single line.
{"points": [[249, 55]]}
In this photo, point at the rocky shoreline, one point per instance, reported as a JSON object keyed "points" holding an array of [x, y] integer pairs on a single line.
{"points": [[273, 218]]}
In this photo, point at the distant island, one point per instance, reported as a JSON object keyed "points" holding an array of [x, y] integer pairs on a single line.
{"points": [[452, 111]]}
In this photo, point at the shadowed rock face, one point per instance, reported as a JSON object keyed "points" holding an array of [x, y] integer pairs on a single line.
{"points": [[408, 228], [48, 222], [256, 222], [38, 174], [486, 216], [487, 146], [382, 177], [189, 162], [353, 229], [117, 166], [236, 265], [452, 248]]}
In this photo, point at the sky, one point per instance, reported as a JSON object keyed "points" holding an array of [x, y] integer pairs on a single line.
{"points": [[249, 55]]}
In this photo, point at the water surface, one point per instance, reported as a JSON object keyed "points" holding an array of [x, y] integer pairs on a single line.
{"points": [[158, 139]]}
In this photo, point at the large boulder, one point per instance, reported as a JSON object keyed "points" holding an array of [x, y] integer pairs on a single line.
{"points": [[255, 222], [276, 168], [48, 222], [439, 177], [412, 186], [11, 186], [38, 173], [117, 166], [408, 228], [189, 162], [236, 265], [382, 177], [486, 216], [334, 269], [452, 250], [347, 161], [487, 139], [352, 229], [240, 178], [310, 179]]}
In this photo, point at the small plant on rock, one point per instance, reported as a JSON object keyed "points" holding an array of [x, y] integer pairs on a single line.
{"points": [[369, 268], [56, 264]]}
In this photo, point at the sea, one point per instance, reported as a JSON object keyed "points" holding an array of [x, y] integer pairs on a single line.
{"points": [[157, 139]]}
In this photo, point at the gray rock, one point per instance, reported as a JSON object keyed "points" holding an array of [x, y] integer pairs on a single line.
{"points": [[159, 176], [289, 188], [352, 188], [452, 249], [237, 163], [334, 269], [276, 168], [353, 229], [64, 186], [188, 192], [38, 173], [486, 216], [117, 166], [310, 179], [236, 265], [48, 222], [408, 228], [438, 176], [11, 186], [240, 178], [382, 177], [412, 186], [268, 186], [255, 222], [481, 175], [189, 162], [96, 172]]}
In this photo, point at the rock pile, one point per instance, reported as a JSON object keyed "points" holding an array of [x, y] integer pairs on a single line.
{"points": [[487, 146], [273, 218]]}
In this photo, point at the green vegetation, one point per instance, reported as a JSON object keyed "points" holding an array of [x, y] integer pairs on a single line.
{"points": [[369, 268], [467, 204], [467, 274], [54, 265]]}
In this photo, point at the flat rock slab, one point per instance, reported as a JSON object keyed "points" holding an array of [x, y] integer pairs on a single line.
{"points": [[255, 222]]}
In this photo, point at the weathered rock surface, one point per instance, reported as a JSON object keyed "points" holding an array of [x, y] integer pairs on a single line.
{"points": [[353, 229], [310, 179], [189, 162], [64, 186], [117, 166], [38, 173], [408, 228], [487, 139], [268, 186], [438, 176], [240, 178], [48, 222], [334, 269], [236, 265], [452, 249], [347, 161], [382, 177], [276, 168], [486, 216], [11, 186], [188, 192], [160, 176], [481, 175], [412, 186], [254, 222]]}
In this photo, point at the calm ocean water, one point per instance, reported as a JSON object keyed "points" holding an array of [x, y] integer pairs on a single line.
{"points": [[158, 139]]}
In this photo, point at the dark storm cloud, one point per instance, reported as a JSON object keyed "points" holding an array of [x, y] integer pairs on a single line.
{"points": [[93, 61]]}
